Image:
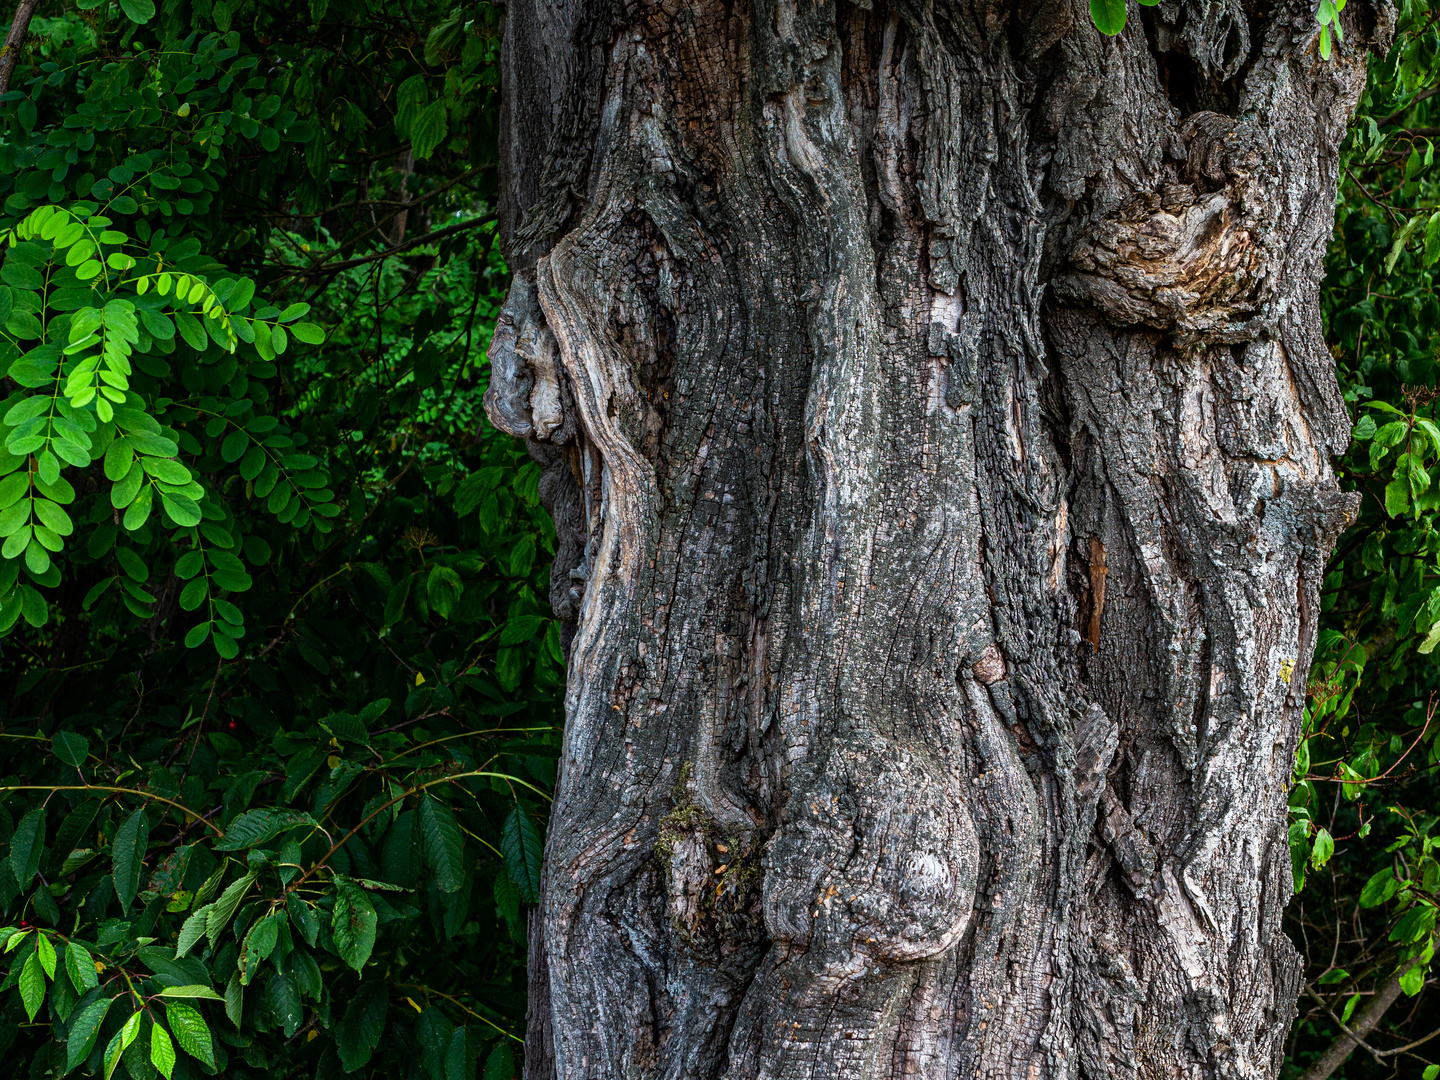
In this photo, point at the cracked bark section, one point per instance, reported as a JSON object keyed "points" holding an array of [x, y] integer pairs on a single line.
{"points": [[933, 400]]}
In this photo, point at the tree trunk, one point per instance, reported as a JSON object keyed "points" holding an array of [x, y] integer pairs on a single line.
{"points": [[937, 422]]}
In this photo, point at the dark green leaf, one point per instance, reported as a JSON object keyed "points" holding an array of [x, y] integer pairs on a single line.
{"points": [[353, 923], [444, 843], [127, 856], [256, 827], [1108, 16], [523, 849], [70, 748], [27, 845]]}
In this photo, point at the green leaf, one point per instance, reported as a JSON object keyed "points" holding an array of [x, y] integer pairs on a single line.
{"points": [[1397, 497], [303, 916], [183, 510], [192, 930], [32, 985], [80, 966], [520, 628], [235, 999], [127, 856], [162, 1052], [1414, 925], [359, 1033], [427, 130], [353, 923], [284, 1002], [46, 952], [500, 1065], [1403, 237], [121, 1042], [444, 843], [191, 1031], [195, 990], [1431, 640], [256, 827], [70, 748], [1108, 16], [1432, 239], [223, 910], [26, 846], [1413, 980], [259, 943], [84, 1030], [523, 849], [1321, 848]]}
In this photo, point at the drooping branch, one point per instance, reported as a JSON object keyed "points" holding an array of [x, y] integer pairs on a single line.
{"points": [[1353, 1034]]}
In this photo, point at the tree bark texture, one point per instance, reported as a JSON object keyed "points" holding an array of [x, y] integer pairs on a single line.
{"points": [[937, 423]]}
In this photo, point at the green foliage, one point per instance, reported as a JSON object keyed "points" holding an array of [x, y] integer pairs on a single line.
{"points": [[1365, 776], [281, 681]]}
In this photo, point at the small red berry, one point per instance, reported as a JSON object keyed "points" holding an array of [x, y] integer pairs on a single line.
{"points": [[233, 725]]}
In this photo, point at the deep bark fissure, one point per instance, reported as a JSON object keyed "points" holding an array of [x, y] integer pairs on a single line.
{"points": [[934, 412]]}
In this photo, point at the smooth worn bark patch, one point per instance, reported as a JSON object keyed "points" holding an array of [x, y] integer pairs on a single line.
{"points": [[934, 411]]}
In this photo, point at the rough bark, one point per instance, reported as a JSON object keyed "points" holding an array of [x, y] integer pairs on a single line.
{"points": [[934, 406]]}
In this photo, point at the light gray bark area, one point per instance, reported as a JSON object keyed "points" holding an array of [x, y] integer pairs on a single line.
{"points": [[885, 361]]}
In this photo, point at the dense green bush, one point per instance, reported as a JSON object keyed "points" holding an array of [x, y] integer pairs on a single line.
{"points": [[1364, 823], [282, 684]]}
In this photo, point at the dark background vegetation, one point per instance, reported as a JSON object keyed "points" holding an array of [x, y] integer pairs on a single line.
{"points": [[280, 692]]}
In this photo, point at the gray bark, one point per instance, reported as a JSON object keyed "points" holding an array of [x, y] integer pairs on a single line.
{"points": [[934, 405]]}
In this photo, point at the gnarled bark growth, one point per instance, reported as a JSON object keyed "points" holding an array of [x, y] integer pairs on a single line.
{"points": [[937, 422]]}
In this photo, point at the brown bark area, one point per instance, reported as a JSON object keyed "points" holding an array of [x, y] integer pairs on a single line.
{"points": [[878, 357]]}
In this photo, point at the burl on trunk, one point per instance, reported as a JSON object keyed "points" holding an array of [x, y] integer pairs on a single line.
{"points": [[937, 425]]}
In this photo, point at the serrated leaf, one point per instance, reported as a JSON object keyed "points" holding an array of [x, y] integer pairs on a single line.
{"points": [[523, 850], [259, 943], [26, 846], [84, 1030], [256, 827], [194, 990], [70, 748], [32, 985], [223, 910], [80, 967], [162, 1052], [303, 916], [46, 952], [192, 930], [1414, 925], [500, 1065], [359, 1033], [353, 923], [191, 1031], [235, 1000], [443, 841], [284, 1001], [127, 856]]}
